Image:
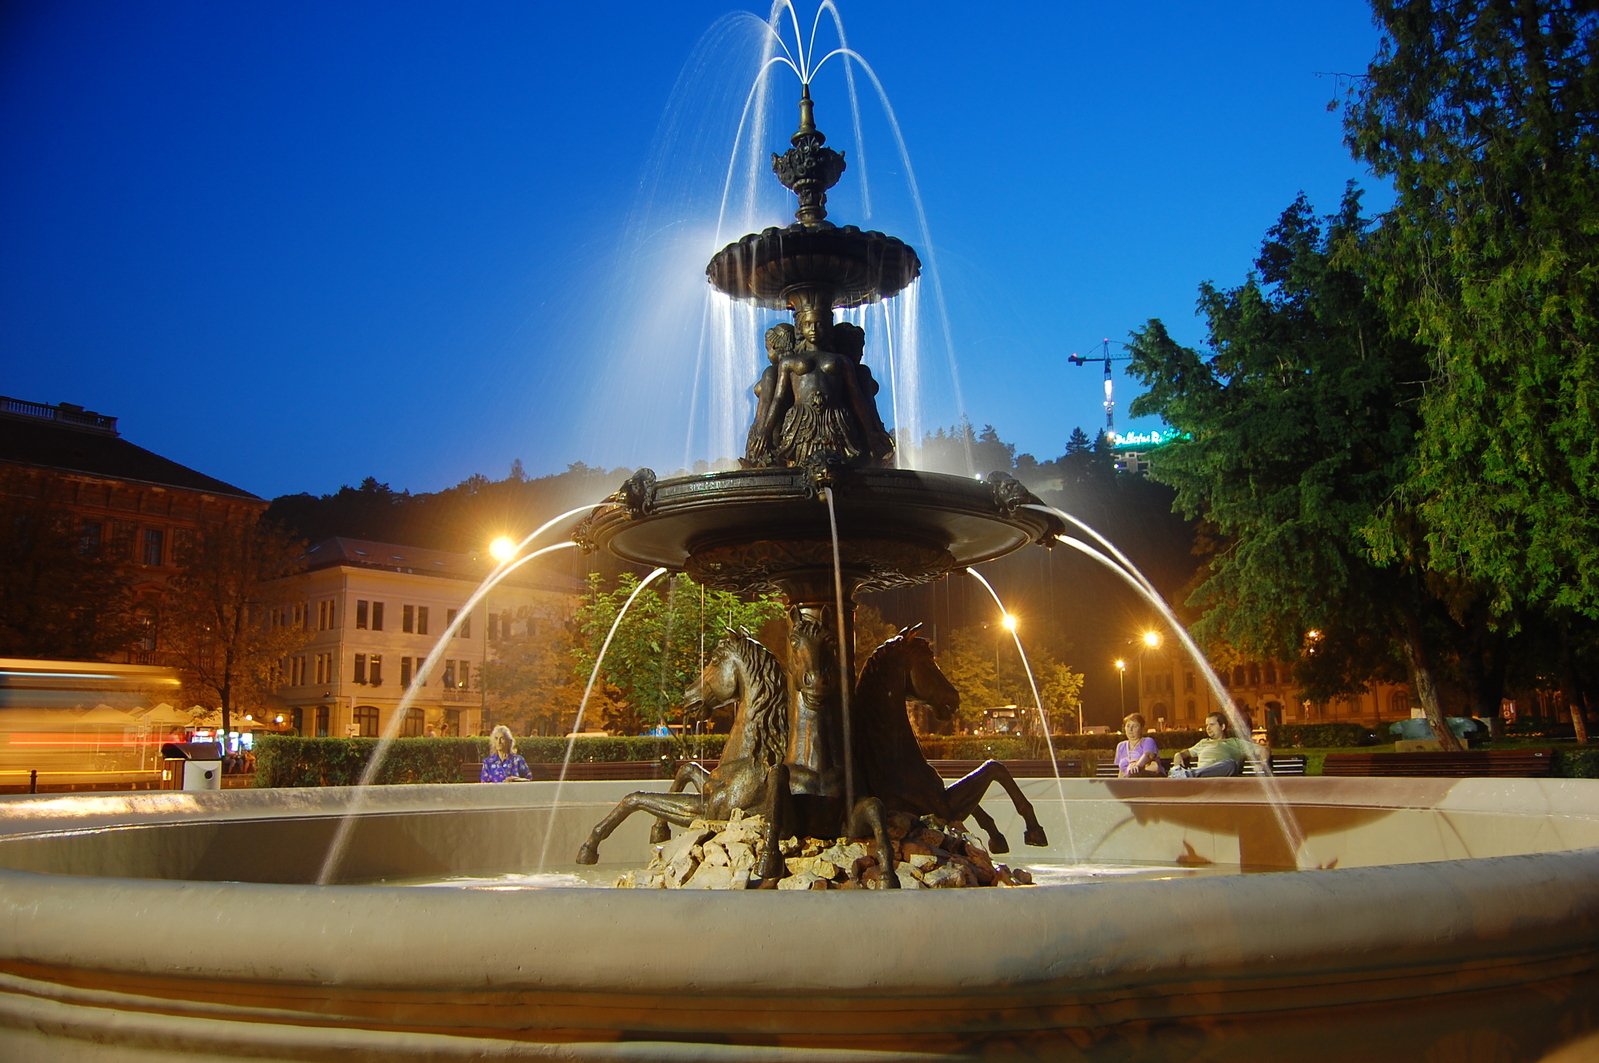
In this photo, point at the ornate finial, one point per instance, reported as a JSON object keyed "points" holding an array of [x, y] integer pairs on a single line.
{"points": [[809, 168]]}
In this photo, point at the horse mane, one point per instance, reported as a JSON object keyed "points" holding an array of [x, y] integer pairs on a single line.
{"points": [[875, 672], [766, 708]]}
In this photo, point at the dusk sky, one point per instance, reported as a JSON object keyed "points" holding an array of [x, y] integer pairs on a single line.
{"points": [[296, 244]]}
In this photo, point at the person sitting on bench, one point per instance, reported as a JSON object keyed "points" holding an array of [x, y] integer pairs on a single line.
{"points": [[1215, 754]]}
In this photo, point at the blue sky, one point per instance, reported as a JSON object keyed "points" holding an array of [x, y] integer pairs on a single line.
{"points": [[295, 244]]}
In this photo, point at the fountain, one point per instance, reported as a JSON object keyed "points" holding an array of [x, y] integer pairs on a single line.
{"points": [[1421, 918]]}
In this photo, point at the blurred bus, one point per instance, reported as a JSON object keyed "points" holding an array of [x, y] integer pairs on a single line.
{"points": [[78, 723]]}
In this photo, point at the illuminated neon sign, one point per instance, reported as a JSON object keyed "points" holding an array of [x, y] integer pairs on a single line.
{"points": [[1159, 437]]}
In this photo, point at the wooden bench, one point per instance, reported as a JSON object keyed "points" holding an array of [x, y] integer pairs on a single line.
{"points": [[1284, 764], [1070, 768], [1497, 763], [589, 771]]}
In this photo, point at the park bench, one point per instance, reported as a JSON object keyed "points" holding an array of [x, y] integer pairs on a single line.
{"points": [[588, 771], [1070, 768], [1283, 764], [1499, 763]]}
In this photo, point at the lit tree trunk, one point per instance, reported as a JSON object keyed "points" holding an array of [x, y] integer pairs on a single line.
{"points": [[1571, 694], [1421, 676]]}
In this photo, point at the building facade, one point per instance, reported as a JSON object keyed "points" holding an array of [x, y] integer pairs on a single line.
{"points": [[1174, 695], [141, 507], [375, 613]]}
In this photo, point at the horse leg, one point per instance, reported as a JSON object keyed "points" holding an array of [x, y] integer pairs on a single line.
{"points": [[675, 808], [867, 817], [688, 773], [996, 841], [778, 810], [963, 796]]}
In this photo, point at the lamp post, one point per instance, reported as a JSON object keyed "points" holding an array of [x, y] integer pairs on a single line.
{"points": [[1121, 683], [502, 549], [1150, 639]]}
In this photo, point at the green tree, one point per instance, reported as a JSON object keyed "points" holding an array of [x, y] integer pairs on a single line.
{"points": [[660, 645], [225, 624], [529, 684], [1298, 427], [1486, 115], [60, 596], [1061, 688]]}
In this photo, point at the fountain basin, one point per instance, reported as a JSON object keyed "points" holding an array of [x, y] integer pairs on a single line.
{"points": [[1455, 917]]}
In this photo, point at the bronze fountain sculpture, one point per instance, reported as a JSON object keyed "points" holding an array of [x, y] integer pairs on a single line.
{"points": [[818, 452]]}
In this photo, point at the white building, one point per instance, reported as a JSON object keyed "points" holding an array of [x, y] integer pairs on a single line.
{"points": [[375, 612]]}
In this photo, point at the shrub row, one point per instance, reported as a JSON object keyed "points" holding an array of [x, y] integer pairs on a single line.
{"points": [[1320, 736], [285, 760]]}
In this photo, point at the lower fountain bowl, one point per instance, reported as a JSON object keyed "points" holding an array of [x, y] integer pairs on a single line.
{"points": [[1424, 918]]}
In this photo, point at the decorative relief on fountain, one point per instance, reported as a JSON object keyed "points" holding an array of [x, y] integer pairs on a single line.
{"points": [[769, 565]]}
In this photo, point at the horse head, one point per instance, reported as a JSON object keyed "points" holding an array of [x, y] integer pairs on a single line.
{"points": [[924, 679], [718, 683]]}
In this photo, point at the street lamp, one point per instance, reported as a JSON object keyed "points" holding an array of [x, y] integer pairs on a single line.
{"points": [[1008, 623], [1121, 683], [1151, 640]]}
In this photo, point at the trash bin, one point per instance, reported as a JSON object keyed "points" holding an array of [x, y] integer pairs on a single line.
{"points": [[191, 766]]}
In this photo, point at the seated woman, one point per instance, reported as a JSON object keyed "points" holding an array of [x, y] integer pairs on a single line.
{"points": [[1215, 754], [1138, 755], [504, 763]]}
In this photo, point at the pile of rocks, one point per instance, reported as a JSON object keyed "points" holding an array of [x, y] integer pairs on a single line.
{"points": [[723, 856]]}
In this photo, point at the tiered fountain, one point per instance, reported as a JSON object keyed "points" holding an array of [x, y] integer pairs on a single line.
{"points": [[1426, 918]]}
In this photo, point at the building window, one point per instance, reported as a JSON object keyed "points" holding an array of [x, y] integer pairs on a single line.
{"points": [[412, 727], [325, 615], [366, 721], [457, 674], [321, 721], [324, 668], [360, 668], [90, 538], [375, 676], [122, 541], [452, 722], [377, 616], [297, 671], [421, 620], [155, 541], [407, 618], [360, 615], [1271, 673], [465, 630]]}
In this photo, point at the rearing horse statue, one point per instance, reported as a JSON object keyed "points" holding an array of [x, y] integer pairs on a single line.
{"points": [[892, 763], [746, 673]]}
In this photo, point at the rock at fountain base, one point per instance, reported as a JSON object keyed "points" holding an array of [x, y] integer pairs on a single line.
{"points": [[718, 855]]}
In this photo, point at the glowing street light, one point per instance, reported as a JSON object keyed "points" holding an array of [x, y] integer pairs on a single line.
{"points": [[1121, 682], [503, 549], [1151, 640]]}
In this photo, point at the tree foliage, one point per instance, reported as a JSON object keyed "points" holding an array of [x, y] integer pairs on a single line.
{"points": [[661, 643], [224, 626], [1298, 426], [60, 596], [1486, 115]]}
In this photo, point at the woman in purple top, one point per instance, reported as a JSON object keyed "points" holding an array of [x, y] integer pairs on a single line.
{"points": [[503, 762], [1138, 755]]}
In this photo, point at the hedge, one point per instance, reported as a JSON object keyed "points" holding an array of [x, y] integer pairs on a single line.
{"points": [[286, 760]]}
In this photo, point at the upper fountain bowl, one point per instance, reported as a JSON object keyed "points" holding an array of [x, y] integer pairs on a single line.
{"points": [[857, 266]]}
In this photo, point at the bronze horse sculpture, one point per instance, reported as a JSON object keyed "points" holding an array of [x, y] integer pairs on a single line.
{"points": [[893, 766], [783, 758], [746, 673]]}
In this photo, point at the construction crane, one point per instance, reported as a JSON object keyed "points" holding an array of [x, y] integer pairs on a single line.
{"points": [[1110, 401]]}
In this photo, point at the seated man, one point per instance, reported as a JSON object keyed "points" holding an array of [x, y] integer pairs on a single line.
{"points": [[1215, 754]]}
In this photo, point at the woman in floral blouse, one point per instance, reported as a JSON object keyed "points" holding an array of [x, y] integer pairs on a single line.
{"points": [[504, 763]]}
